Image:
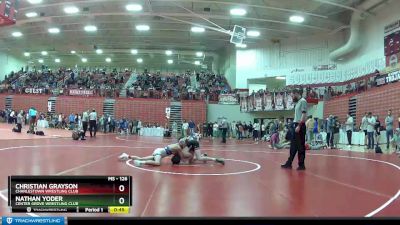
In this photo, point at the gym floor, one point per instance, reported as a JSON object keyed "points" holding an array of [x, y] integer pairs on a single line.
{"points": [[251, 184]]}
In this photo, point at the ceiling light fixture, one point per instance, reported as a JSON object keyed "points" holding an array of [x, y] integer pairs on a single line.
{"points": [[170, 61], [197, 62], [40, 61], [57, 60], [108, 60], [238, 12], [198, 29], [54, 30], [199, 54], [168, 52], [27, 54], [73, 52], [84, 60], [90, 28], [71, 10], [253, 33], [139, 60], [31, 14], [44, 53], [134, 51], [35, 1], [142, 27], [296, 19], [16, 34], [134, 7], [99, 51]]}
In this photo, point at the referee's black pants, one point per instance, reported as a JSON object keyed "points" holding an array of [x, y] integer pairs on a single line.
{"points": [[297, 144], [92, 126]]}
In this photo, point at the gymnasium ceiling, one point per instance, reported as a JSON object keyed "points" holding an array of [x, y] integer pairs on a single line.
{"points": [[170, 23]]}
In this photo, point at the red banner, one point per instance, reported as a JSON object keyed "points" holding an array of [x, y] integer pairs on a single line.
{"points": [[81, 92]]}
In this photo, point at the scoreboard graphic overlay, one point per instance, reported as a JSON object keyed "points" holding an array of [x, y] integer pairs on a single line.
{"points": [[75, 194]]}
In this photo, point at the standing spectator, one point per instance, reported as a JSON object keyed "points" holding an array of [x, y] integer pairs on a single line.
{"points": [[316, 128], [20, 118], [349, 128], [377, 128], [224, 128], [60, 119], [398, 120], [210, 129], [192, 127], [205, 130], [139, 127], [263, 128], [112, 125], [336, 131], [309, 127], [71, 120], [233, 129], [174, 129], [370, 131], [93, 123], [185, 127], [215, 130], [389, 128], [330, 131], [256, 131], [364, 127]]}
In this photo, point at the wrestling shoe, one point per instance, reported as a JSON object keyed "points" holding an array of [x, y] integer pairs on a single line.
{"points": [[301, 168], [286, 166], [123, 157], [137, 163], [222, 161]]}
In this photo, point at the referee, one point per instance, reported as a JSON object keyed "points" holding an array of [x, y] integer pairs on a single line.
{"points": [[93, 123], [298, 132]]}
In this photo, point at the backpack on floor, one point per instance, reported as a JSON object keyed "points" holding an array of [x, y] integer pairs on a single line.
{"points": [[378, 150], [75, 135], [40, 133]]}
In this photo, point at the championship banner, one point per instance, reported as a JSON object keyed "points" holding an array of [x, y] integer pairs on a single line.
{"points": [[392, 43], [243, 104], [279, 102], [393, 76], [289, 101], [34, 90], [81, 92], [228, 99], [250, 104], [258, 103], [268, 102]]}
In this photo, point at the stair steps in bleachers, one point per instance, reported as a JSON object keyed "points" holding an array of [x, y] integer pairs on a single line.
{"points": [[353, 108], [9, 102], [132, 79], [109, 107], [176, 116], [52, 105]]}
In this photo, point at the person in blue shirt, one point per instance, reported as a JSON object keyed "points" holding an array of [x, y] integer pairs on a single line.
{"points": [[32, 115], [192, 126], [71, 119]]}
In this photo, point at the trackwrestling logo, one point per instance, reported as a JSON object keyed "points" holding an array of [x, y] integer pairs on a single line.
{"points": [[33, 221]]}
